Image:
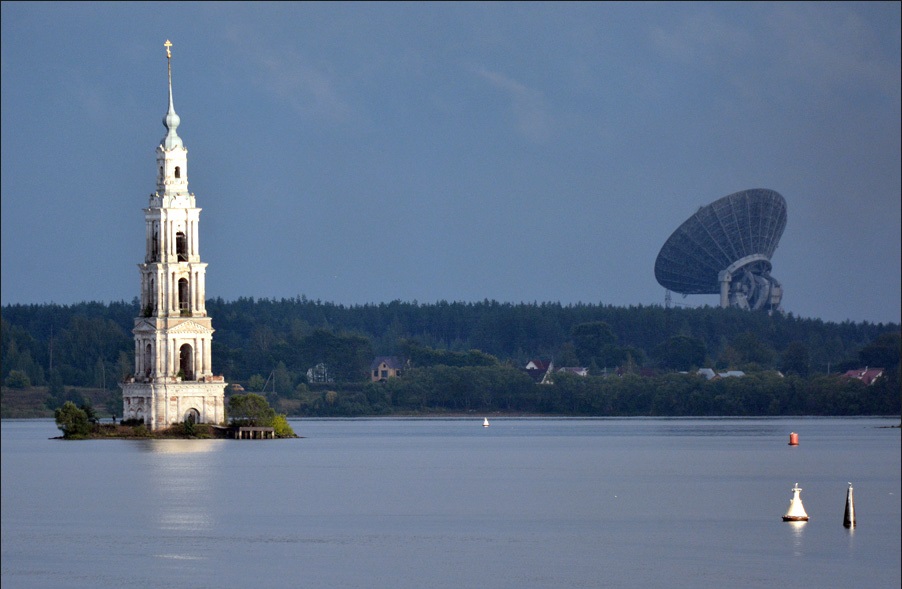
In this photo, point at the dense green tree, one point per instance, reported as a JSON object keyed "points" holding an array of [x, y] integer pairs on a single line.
{"points": [[17, 379], [795, 359], [883, 352], [72, 421], [752, 350], [90, 413], [253, 410], [594, 341], [282, 428], [283, 381], [256, 382], [250, 409], [681, 352], [422, 356], [347, 356]]}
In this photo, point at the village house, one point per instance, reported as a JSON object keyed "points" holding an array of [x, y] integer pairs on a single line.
{"points": [[536, 369], [319, 374], [709, 374], [867, 375], [385, 367], [542, 372]]}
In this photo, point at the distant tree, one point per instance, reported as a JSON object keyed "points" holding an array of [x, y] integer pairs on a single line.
{"points": [[123, 365], [72, 421], [566, 356], [752, 350], [681, 352], [883, 352], [301, 390], [75, 396], [255, 382], [592, 340], [348, 356], [423, 356], [18, 379], [795, 359], [282, 380], [56, 388], [90, 413]]}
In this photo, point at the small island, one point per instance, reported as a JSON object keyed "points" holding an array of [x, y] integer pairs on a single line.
{"points": [[251, 418]]}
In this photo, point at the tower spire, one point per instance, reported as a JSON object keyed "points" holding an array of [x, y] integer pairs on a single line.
{"points": [[171, 120]]}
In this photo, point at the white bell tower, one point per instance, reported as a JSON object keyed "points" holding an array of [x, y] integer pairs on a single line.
{"points": [[173, 380]]}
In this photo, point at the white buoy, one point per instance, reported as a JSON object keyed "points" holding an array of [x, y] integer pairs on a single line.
{"points": [[848, 519], [485, 422], [796, 511]]}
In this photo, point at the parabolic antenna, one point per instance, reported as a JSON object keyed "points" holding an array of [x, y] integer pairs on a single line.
{"points": [[726, 248]]}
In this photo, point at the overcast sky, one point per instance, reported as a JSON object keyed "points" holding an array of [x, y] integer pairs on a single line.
{"points": [[363, 153]]}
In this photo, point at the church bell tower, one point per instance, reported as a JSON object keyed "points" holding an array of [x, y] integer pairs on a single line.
{"points": [[173, 380]]}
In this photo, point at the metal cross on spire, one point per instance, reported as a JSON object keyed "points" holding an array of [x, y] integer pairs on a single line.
{"points": [[171, 120]]}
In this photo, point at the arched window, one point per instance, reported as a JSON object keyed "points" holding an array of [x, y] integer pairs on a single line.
{"points": [[184, 301], [192, 416], [178, 172], [155, 244], [186, 362], [148, 361], [181, 246], [152, 297]]}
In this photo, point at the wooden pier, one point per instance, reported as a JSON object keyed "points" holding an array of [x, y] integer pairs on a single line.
{"points": [[255, 433]]}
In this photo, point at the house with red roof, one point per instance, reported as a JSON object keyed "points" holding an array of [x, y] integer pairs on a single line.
{"points": [[867, 375]]}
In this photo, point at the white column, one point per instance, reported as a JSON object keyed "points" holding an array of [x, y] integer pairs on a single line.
{"points": [[173, 357], [162, 369], [199, 288]]}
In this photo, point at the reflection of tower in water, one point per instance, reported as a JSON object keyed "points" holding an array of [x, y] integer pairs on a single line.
{"points": [[183, 481]]}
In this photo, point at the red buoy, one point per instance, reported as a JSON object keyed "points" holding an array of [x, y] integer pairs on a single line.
{"points": [[793, 439]]}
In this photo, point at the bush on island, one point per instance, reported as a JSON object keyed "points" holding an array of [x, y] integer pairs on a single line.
{"points": [[72, 421], [253, 410]]}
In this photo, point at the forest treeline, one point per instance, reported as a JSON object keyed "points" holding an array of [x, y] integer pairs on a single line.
{"points": [[468, 356]]}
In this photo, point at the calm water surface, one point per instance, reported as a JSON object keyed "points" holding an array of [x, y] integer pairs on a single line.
{"points": [[423, 503]]}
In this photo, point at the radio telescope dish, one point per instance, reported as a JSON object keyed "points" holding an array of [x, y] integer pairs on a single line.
{"points": [[725, 248]]}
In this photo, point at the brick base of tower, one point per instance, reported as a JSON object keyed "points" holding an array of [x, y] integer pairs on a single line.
{"points": [[161, 405]]}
